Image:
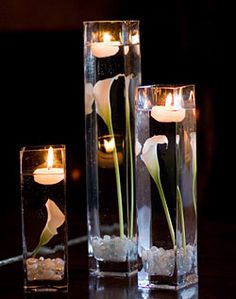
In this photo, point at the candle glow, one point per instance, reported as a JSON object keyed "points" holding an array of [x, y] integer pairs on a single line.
{"points": [[106, 48], [105, 154], [109, 145], [49, 175], [172, 111]]}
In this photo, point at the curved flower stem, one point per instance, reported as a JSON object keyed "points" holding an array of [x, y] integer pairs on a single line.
{"points": [[181, 211], [55, 218], [166, 210], [150, 158], [118, 185], [101, 92]]}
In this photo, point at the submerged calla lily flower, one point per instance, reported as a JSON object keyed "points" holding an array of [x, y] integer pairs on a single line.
{"points": [[55, 219], [150, 158], [101, 92], [149, 155]]}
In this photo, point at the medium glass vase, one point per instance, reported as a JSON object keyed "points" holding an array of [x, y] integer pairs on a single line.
{"points": [[44, 224], [166, 185], [112, 71]]}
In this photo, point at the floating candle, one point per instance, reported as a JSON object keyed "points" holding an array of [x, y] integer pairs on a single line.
{"points": [[49, 175], [171, 112], [106, 48]]}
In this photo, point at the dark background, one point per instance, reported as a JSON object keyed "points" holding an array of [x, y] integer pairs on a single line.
{"points": [[41, 92]]}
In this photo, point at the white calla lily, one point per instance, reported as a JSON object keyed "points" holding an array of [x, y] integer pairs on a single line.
{"points": [[101, 92], [149, 154], [55, 219], [150, 158]]}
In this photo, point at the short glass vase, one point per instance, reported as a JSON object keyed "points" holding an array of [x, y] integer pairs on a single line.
{"points": [[44, 224]]}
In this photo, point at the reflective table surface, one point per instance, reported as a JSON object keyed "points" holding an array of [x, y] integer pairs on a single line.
{"points": [[217, 265]]}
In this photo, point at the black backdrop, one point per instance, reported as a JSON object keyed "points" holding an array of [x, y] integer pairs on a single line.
{"points": [[41, 90]]}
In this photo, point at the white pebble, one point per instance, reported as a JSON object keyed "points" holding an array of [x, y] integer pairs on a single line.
{"points": [[45, 269], [158, 261], [114, 249]]}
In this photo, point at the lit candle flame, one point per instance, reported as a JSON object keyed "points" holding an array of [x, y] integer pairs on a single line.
{"points": [[135, 39], [106, 37], [109, 145], [50, 158], [169, 100], [173, 101]]}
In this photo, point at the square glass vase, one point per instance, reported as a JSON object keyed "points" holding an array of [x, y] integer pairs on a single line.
{"points": [[166, 176], [112, 70], [44, 224]]}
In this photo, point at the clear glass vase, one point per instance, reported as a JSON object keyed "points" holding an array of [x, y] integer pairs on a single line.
{"points": [[166, 185], [112, 71], [44, 225]]}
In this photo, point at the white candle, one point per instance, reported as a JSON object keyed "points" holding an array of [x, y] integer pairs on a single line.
{"points": [[106, 48], [171, 112], [50, 175]]}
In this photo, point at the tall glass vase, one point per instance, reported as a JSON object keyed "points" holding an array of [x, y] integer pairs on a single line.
{"points": [[112, 70], [166, 185]]}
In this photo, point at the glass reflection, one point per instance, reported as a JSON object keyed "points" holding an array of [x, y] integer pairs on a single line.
{"points": [[103, 288]]}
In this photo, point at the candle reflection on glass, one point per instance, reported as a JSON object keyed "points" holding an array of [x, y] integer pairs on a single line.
{"points": [[49, 175]]}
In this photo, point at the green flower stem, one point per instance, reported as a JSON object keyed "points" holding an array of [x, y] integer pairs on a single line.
{"points": [[181, 211], [194, 169], [36, 250], [118, 185], [166, 210], [193, 187], [44, 239], [127, 110], [131, 185]]}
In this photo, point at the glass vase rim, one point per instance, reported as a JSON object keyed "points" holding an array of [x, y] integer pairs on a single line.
{"points": [[110, 21], [166, 86], [45, 147]]}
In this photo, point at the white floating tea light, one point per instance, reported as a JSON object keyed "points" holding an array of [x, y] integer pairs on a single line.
{"points": [[49, 175], [108, 47], [172, 111]]}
